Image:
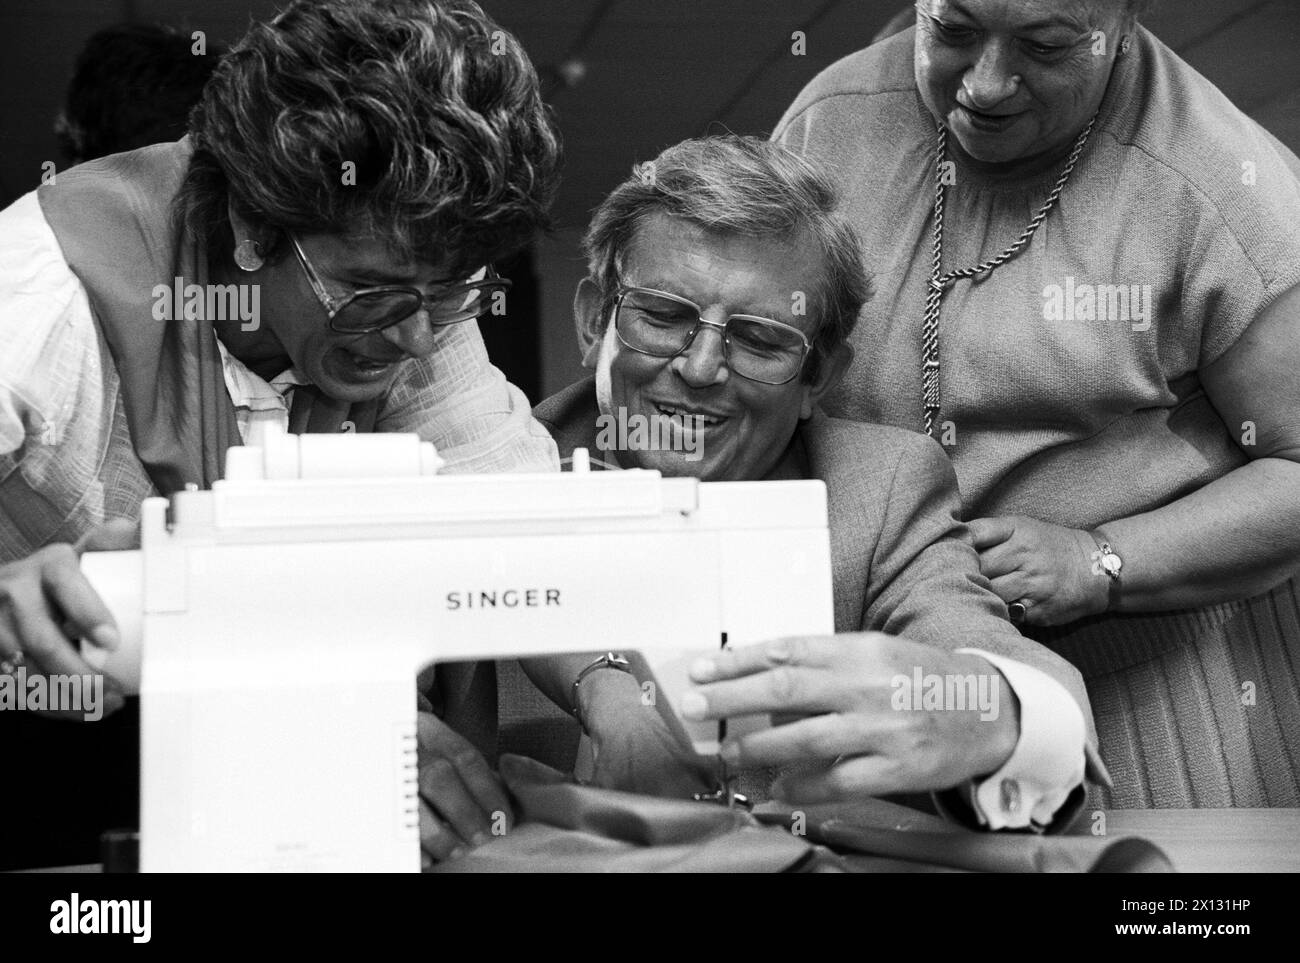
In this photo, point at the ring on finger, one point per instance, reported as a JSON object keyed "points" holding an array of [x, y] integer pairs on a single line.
{"points": [[1018, 609], [12, 664]]}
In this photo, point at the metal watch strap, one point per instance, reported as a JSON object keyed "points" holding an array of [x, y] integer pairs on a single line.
{"points": [[610, 660], [1108, 563]]}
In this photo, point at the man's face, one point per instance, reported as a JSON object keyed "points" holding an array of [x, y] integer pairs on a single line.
{"points": [[969, 54], [744, 426], [348, 367]]}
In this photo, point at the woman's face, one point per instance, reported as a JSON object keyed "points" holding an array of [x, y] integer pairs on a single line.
{"points": [[1013, 79], [294, 324]]}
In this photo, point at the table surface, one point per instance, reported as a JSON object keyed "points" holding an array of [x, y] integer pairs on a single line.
{"points": [[1195, 840], [1216, 840]]}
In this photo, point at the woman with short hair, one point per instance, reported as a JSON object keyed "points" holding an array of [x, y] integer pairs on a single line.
{"points": [[313, 256], [1088, 273]]}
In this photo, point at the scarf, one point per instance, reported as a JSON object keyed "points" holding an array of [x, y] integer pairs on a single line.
{"points": [[113, 220]]}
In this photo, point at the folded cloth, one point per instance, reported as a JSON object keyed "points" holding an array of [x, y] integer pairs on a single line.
{"points": [[566, 827], [875, 835], [563, 827]]}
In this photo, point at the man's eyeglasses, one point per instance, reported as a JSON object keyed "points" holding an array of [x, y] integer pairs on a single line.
{"points": [[373, 309], [664, 325]]}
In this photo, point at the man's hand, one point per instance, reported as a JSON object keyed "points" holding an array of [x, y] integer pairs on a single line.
{"points": [[461, 801], [46, 605], [866, 722], [1045, 567]]}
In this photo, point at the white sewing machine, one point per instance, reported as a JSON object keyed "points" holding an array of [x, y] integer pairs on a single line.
{"points": [[276, 623]]}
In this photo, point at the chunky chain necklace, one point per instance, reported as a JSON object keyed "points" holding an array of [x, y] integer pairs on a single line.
{"points": [[939, 281]]}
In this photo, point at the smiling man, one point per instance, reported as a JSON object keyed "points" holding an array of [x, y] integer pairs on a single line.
{"points": [[673, 270], [720, 297]]}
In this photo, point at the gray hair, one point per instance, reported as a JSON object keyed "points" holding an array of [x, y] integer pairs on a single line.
{"points": [[747, 186]]}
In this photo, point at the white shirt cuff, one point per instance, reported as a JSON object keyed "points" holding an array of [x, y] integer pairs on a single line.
{"points": [[1048, 761]]}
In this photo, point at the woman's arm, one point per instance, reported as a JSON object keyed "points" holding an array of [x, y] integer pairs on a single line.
{"points": [[634, 749], [1240, 534], [1230, 539]]}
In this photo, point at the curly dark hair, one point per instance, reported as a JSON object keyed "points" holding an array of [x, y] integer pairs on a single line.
{"points": [[456, 157]]}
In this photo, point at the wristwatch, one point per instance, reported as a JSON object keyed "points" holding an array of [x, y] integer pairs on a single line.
{"points": [[610, 660], [1106, 561]]}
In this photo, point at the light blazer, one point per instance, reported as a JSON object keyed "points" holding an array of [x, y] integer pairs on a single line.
{"points": [[902, 559]]}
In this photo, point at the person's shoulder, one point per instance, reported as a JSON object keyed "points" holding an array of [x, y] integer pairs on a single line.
{"points": [[884, 68], [49, 347], [570, 415], [845, 439], [123, 179], [37, 287], [568, 405], [1189, 129], [855, 454]]}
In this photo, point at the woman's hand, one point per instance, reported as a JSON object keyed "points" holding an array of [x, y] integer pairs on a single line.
{"points": [[1047, 568], [462, 804], [634, 749], [868, 725], [644, 756], [46, 605]]}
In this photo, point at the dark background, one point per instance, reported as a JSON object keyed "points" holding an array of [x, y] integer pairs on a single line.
{"points": [[656, 71]]}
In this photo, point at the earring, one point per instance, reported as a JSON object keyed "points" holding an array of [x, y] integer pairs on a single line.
{"points": [[248, 255], [1125, 44]]}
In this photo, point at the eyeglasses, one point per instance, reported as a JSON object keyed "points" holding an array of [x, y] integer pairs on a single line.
{"points": [[373, 309], [664, 325]]}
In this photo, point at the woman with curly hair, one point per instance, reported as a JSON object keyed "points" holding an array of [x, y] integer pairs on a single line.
{"points": [[307, 257]]}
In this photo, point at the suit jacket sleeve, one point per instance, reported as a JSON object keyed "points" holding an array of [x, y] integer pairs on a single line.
{"points": [[924, 581]]}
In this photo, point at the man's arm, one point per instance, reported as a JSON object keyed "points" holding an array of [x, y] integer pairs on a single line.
{"points": [[934, 702], [925, 586]]}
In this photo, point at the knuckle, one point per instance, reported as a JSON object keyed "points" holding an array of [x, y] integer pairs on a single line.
{"points": [[436, 769], [781, 685], [63, 575], [40, 644], [798, 650], [894, 771], [822, 743], [435, 838], [466, 758], [840, 781]]}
